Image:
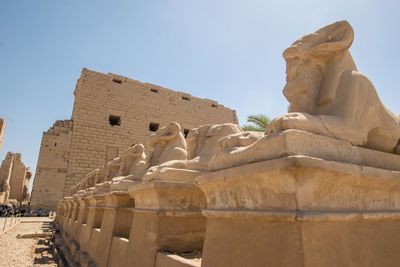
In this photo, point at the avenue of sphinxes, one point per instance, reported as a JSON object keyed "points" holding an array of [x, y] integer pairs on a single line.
{"points": [[321, 187]]}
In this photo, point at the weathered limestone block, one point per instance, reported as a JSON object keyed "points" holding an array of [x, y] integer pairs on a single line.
{"points": [[71, 202], [304, 206], [167, 216], [92, 218], [115, 229], [66, 213], [73, 220], [91, 237]]}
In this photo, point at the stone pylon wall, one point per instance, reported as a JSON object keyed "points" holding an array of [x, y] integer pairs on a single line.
{"points": [[51, 169], [111, 113], [99, 97]]}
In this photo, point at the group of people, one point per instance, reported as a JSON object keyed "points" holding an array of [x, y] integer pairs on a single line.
{"points": [[9, 210]]}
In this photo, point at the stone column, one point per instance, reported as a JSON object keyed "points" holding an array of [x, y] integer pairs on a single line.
{"points": [[167, 216]]}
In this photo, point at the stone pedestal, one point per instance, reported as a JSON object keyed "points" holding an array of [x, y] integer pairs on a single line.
{"points": [[117, 220], [95, 218], [303, 211], [68, 211], [94, 207], [81, 217], [167, 216], [73, 215]]}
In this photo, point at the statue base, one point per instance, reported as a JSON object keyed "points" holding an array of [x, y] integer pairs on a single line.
{"points": [[304, 211], [167, 217]]}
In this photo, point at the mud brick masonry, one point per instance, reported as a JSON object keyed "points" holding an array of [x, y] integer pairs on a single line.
{"points": [[111, 113]]}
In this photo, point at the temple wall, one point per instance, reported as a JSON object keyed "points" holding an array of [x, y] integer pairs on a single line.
{"points": [[52, 165], [111, 113]]}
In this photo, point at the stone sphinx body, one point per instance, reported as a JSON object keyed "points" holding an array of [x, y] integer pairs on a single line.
{"points": [[328, 96], [124, 170], [202, 146], [133, 165], [111, 170], [168, 143]]}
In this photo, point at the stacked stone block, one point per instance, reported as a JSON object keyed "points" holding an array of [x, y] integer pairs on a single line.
{"points": [[52, 165]]}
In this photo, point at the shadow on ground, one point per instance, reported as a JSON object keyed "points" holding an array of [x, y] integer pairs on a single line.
{"points": [[44, 253]]}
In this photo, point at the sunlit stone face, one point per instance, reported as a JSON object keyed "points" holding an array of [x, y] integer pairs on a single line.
{"points": [[303, 81]]}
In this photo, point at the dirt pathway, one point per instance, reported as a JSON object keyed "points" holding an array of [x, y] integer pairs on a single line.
{"points": [[27, 252]]}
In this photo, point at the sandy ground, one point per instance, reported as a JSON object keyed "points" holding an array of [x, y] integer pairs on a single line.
{"points": [[26, 252]]}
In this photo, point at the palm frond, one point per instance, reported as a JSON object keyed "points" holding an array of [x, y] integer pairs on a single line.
{"points": [[252, 128], [257, 123]]}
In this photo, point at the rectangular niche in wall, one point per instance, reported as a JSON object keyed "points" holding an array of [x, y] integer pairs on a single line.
{"points": [[153, 127], [114, 120]]}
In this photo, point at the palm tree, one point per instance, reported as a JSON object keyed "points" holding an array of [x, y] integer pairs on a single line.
{"points": [[258, 123]]}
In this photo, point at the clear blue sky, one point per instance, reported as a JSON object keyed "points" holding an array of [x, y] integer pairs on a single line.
{"points": [[229, 51]]}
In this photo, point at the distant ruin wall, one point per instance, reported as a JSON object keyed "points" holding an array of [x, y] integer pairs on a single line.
{"points": [[2, 129], [14, 178]]}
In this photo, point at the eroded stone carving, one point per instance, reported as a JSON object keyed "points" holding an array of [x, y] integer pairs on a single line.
{"points": [[202, 146], [100, 175], [328, 96], [91, 178], [202, 143], [132, 168], [111, 170], [133, 161], [168, 144]]}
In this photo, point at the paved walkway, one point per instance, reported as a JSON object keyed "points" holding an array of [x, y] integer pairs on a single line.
{"points": [[27, 252]]}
